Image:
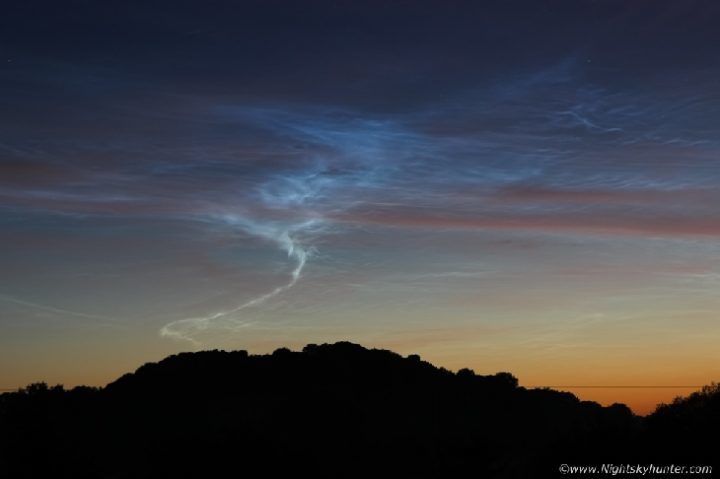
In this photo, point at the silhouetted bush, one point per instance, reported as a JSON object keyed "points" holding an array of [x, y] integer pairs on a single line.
{"points": [[330, 411]]}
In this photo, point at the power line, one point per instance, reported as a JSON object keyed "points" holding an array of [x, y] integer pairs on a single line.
{"points": [[616, 387]]}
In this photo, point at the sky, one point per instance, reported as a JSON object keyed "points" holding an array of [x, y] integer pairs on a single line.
{"points": [[523, 186]]}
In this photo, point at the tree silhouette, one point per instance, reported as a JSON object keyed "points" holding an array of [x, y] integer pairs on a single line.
{"points": [[332, 410]]}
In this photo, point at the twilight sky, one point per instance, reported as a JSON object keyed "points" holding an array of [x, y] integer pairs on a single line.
{"points": [[530, 186]]}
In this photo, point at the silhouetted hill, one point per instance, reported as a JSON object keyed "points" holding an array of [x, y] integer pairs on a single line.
{"points": [[330, 411], [694, 420]]}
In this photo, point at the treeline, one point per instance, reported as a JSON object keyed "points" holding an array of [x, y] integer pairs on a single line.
{"points": [[332, 411]]}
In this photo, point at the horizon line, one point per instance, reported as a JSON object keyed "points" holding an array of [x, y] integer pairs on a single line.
{"points": [[530, 386]]}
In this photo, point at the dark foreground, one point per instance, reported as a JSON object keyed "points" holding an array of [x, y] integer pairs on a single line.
{"points": [[334, 411]]}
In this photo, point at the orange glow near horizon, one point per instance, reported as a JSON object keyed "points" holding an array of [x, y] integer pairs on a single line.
{"points": [[642, 401], [622, 382]]}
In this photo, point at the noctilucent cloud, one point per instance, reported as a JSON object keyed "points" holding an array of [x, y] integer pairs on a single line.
{"points": [[530, 186]]}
